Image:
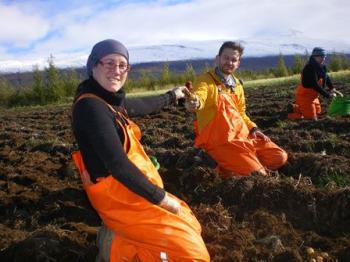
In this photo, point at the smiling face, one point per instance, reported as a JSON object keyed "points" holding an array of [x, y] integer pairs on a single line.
{"points": [[228, 61], [111, 72]]}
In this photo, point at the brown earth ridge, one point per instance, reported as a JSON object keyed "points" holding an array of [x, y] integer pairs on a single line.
{"points": [[46, 216]]}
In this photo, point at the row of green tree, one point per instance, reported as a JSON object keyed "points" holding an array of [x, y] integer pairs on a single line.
{"points": [[49, 86], [337, 62], [54, 86]]}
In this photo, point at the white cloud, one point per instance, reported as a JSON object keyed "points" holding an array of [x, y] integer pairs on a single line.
{"points": [[20, 29], [79, 27]]}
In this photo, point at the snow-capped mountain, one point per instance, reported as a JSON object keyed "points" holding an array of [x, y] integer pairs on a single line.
{"points": [[290, 43]]}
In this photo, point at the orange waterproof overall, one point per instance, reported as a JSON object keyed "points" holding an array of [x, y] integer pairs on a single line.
{"points": [[143, 231], [307, 105], [226, 139]]}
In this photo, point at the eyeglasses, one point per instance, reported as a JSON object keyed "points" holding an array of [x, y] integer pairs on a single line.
{"points": [[110, 65], [228, 59]]}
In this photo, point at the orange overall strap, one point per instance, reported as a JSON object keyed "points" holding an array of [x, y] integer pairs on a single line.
{"points": [[90, 95], [122, 118], [144, 230], [217, 83]]}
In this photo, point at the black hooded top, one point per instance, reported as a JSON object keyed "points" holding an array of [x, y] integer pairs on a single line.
{"points": [[101, 140], [313, 72]]}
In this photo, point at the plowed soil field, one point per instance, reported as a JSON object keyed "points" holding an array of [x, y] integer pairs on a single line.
{"points": [[45, 215]]}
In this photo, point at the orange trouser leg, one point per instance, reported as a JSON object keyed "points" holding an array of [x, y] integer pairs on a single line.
{"points": [[296, 114], [269, 154], [309, 109], [123, 249], [126, 250], [238, 156]]}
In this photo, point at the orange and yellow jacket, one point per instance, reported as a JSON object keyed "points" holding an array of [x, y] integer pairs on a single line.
{"points": [[207, 91]]}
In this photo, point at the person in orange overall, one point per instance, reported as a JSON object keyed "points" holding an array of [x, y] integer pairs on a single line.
{"points": [[314, 80], [223, 128], [142, 221]]}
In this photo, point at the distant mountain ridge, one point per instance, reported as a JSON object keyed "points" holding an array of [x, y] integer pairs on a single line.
{"points": [[25, 79], [292, 42]]}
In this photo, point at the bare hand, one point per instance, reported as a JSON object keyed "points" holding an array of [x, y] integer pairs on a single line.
{"points": [[258, 134], [332, 94], [192, 103], [336, 92], [180, 92], [170, 203]]}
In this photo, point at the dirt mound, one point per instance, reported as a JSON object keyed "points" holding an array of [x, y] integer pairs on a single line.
{"points": [[46, 216]]}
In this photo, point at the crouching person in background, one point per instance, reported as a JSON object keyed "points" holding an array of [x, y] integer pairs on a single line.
{"points": [[142, 221], [224, 130], [314, 80]]}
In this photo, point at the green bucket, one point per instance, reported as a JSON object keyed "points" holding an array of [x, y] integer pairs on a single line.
{"points": [[340, 106]]}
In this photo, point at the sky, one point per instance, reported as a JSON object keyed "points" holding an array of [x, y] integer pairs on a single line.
{"points": [[32, 30]]}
